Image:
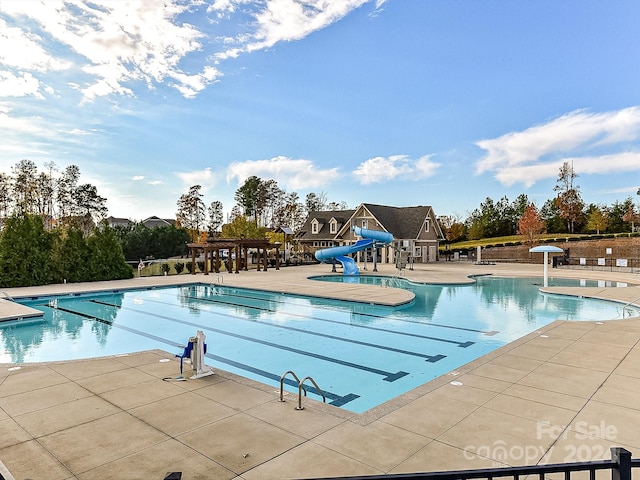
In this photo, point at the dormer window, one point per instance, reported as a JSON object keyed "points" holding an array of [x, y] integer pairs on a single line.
{"points": [[315, 226], [333, 227]]}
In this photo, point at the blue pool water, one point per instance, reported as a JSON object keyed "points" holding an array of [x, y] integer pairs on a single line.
{"points": [[361, 355]]}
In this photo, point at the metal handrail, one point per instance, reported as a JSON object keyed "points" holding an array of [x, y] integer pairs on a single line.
{"points": [[7, 296], [632, 302], [282, 382], [620, 466], [300, 388]]}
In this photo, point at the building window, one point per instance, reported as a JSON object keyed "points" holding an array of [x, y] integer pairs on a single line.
{"points": [[314, 227], [333, 227], [426, 225], [365, 223], [315, 244]]}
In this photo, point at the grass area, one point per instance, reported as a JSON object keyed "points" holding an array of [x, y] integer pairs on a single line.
{"points": [[517, 239]]}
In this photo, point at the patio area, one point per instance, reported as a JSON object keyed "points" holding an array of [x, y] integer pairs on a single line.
{"points": [[566, 392]]}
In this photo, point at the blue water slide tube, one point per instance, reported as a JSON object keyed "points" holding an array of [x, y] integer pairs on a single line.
{"points": [[349, 267]]}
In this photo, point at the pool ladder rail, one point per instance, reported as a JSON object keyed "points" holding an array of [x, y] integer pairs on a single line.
{"points": [[6, 296], [300, 388], [624, 307]]}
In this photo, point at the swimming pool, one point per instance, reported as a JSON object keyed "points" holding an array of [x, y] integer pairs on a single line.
{"points": [[361, 355]]}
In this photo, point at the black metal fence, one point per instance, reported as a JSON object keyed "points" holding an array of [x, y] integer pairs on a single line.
{"points": [[620, 467], [608, 263]]}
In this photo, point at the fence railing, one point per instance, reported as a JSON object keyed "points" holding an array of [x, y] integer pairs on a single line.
{"points": [[620, 466], [608, 263]]}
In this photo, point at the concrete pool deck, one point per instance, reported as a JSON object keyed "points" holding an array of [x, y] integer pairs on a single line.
{"points": [[566, 392]]}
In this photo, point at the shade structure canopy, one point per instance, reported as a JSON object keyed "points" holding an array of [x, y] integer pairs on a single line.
{"points": [[546, 249]]}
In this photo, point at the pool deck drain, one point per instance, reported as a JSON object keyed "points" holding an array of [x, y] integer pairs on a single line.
{"points": [[566, 392]]}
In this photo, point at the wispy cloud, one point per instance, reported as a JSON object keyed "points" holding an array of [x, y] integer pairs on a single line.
{"points": [[115, 45], [111, 43], [276, 21], [290, 173], [206, 178], [537, 152], [383, 169], [19, 85]]}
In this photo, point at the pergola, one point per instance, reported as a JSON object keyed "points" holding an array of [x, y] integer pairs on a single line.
{"points": [[238, 253]]}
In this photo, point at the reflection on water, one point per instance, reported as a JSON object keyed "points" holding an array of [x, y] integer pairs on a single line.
{"points": [[512, 299], [112, 323]]}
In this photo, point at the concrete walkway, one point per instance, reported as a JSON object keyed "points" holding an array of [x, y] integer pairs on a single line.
{"points": [[566, 392]]}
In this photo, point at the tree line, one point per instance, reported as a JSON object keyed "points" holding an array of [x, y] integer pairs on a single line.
{"points": [[51, 230], [56, 196], [260, 204], [566, 212]]}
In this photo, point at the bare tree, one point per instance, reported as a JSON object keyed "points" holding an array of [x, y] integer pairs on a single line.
{"points": [[191, 212], [569, 201], [6, 195], [216, 217], [24, 186]]}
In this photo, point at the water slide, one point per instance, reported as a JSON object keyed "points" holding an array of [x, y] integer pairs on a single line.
{"points": [[369, 239]]}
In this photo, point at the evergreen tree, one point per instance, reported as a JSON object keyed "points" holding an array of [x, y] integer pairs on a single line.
{"points": [[25, 252], [70, 256], [106, 260]]}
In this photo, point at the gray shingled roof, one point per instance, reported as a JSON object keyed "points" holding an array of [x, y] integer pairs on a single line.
{"points": [[342, 216], [402, 222]]}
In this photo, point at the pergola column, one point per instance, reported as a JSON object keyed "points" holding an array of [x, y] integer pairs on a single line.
{"points": [[193, 261]]}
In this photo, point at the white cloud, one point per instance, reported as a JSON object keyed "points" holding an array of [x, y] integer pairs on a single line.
{"points": [[205, 178], [19, 85], [289, 173], [284, 20], [528, 175], [137, 178], [20, 49], [560, 135], [113, 42], [114, 45], [382, 169], [538, 152]]}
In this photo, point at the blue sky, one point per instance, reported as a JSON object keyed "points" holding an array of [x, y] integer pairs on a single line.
{"points": [[398, 102]]}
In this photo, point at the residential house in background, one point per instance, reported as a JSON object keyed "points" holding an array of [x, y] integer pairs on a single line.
{"points": [[151, 222], [415, 230]]}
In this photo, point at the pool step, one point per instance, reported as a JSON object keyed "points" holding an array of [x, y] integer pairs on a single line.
{"points": [[10, 310]]}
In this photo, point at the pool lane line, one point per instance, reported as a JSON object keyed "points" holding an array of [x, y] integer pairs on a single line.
{"points": [[427, 357], [441, 325], [387, 376], [338, 400], [394, 332]]}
